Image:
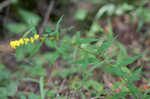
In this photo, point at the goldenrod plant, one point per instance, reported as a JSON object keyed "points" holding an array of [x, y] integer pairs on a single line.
{"points": [[60, 63], [84, 65]]}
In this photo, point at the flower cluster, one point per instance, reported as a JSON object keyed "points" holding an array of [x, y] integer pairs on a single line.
{"points": [[23, 41]]}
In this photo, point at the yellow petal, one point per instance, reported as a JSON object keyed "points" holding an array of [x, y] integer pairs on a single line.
{"points": [[42, 38], [31, 40], [12, 44], [21, 41], [26, 40], [36, 36]]}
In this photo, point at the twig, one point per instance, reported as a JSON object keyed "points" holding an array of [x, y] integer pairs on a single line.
{"points": [[61, 87], [5, 20], [46, 17], [5, 3], [106, 80]]}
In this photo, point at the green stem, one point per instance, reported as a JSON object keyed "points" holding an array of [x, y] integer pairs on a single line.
{"points": [[42, 87]]}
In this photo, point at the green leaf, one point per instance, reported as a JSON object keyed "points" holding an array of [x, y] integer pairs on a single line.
{"points": [[33, 96], [104, 46], [17, 27], [36, 71], [77, 41], [4, 74], [82, 95], [88, 40], [139, 26], [2, 66], [12, 88], [51, 93], [127, 7], [14, 1], [96, 28], [20, 53], [57, 28], [81, 14], [135, 75], [28, 32], [128, 61], [119, 95], [52, 57], [115, 71], [97, 86], [30, 80], [122, 49], [109, 9], [85, 62], [78, 36], [34, 31], [36, 49], [22, 97], [42, 87], [29, 17], [143, 13], [134, 90], [48, 29], [58, 23]]}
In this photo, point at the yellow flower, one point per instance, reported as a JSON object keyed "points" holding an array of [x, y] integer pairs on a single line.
{"points": [[51, 38], [73, 42], [21, 41], [26, 40], [17, 43], [13, 44], [65, 41], [42, 38], [36, 36], [31, 40]]}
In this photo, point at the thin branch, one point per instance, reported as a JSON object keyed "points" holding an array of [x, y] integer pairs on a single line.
{"points": [[61, 87], [46, 17], [5, 4]]}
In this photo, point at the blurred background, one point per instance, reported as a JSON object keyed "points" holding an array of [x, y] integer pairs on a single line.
{"points": [[129, 20]]}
